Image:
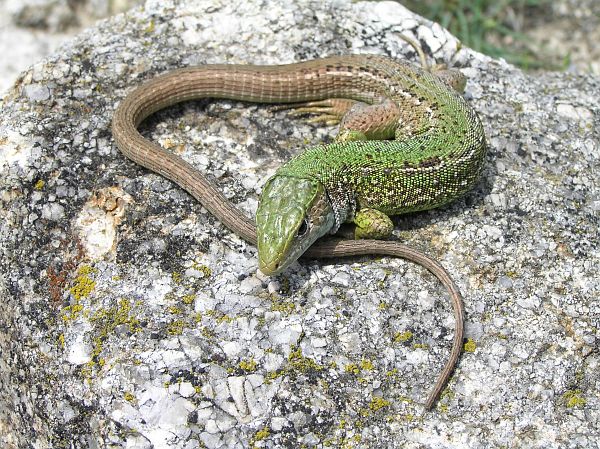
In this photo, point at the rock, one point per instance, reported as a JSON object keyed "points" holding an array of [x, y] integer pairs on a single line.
{"points": [[158, 334]]}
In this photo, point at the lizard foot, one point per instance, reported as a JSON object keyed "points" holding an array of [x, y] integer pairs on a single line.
{"points": [[372, 224], [329, 112]]}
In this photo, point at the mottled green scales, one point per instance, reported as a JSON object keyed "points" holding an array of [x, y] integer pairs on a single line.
{"points": [[407, 142]]}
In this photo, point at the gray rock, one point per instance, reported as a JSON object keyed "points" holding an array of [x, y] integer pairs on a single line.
{"points": [[171, 339]]}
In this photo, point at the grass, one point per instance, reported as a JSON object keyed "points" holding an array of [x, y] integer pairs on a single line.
{"points": [[492, 27]]}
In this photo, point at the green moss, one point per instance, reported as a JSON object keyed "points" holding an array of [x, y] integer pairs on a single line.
{"points": [[402, 337], [470, 345], [574, 398]]}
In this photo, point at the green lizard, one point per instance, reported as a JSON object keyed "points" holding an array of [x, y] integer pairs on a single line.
{"points": [[435, 155]]}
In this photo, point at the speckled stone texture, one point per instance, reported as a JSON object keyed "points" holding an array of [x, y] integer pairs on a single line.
{"points": [[132, 318]]}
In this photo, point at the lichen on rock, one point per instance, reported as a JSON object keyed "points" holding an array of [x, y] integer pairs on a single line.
{"points": [[142, 322]]}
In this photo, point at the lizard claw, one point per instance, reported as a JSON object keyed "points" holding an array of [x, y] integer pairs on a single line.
{"points": [[329, 111]]}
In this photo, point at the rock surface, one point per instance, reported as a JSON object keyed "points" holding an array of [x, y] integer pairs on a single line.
{"points": [[32, 29], [132, 318]]}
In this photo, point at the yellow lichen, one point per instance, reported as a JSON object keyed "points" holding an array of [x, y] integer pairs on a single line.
{"points": [[447, 393], [286, 308], [87, 370], [574, 398], [352, 368], [401, 337], [206, 271], [129, 397], [72, 312], [378, 403], [260, 435], [272, 375], [175, 327], [366, 364], [248, 365], [61, 340], [470, 345], [39, 185], [301, 363], [188, 299], [120, 314], [83, 284], [208, 333], [174, 310], [150, 27], [224, 319]]}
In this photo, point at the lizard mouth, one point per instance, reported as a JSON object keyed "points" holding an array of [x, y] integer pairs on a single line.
{"points": [[270, 269]]}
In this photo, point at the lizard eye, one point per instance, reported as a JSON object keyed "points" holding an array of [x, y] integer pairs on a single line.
{"points": [[302, 229]]}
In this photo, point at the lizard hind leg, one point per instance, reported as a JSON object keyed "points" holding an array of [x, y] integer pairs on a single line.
{"points": [[453, 78], [363, 121], [450, 77], [372, 224]]}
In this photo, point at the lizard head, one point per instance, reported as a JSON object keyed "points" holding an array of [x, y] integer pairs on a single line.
{"points": [[292, 213]]}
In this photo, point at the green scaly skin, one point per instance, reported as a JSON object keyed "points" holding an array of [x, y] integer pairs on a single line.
{"points": [[436, 155]]}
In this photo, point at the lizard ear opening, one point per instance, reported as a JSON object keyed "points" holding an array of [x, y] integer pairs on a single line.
{"points": [[303, 229]]}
